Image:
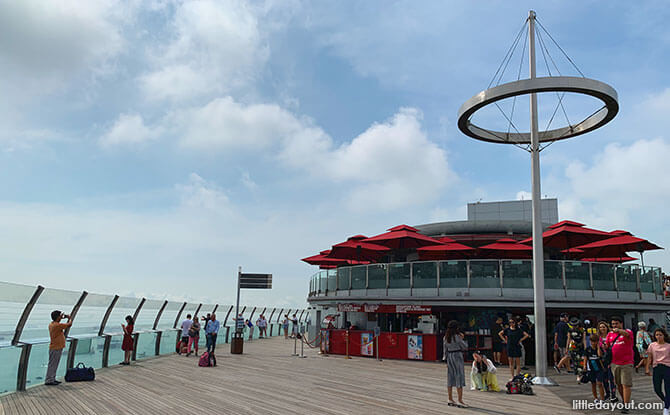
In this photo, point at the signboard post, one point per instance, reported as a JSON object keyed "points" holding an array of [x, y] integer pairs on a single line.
{"points": [[377, 333], [252, 281]]}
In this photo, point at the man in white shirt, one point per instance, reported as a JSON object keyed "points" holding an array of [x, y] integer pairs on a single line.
{"points": [[185, 327]]}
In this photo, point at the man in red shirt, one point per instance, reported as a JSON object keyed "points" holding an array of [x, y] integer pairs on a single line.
{"points": [[621, 341]]}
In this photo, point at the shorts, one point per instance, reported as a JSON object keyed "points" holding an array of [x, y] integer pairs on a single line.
{"points": [[513, 350], [597, 376], [623, 374], [561, 351]]}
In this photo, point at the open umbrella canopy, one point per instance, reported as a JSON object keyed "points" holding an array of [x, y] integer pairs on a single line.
{"points": [[565, 223], [449, 249], [356, 248], [569, 234], [616, 247], [325, 262], [403, 237], [508, 248]]}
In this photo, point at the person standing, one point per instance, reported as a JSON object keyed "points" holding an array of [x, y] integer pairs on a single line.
{"points": [[284, 325], [642, 342], [57, 344], [659, 359], [295, 330], [193, 336], [513, 337], [608, 378], [128, 342], [185, 327], [211, 332], [251, 328], [651, 328], [561, 340], [454, 346], [497, 343], [264, 326], [620, 341]]}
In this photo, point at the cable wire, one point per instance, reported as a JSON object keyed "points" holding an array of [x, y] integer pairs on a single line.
{"points": [[559, 47]]}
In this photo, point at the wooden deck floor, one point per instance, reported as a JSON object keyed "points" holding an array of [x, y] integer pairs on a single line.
{"points": [[268, 380]]}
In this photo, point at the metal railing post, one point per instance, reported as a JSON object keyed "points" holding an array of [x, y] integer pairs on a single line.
{"points": [[228, 314], [565, 285], [22, 374], [159, 335], [197, 310], [411, 278], [136, 339], [138, 309], [216, 307], [24, 317], [159, 314], [105, 350], [593, 293], [500, 273], [616, 282], [181, 310], [387, 278], [437, 273], [103, 323], [467, 274], [71, 352], [637, 279]]}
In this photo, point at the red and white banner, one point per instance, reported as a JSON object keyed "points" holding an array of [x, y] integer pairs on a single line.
{"points": [[385, 308]]}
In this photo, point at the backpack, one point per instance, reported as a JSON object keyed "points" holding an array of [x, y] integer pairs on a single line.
{"points": [[204, 360], [607, 356], [513, 388]]}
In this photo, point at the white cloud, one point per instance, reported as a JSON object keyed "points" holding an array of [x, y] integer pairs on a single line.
{"points": [[248, 182], [217, 47], [199, 193], [391, 165], [128, 130], [44, 45]]}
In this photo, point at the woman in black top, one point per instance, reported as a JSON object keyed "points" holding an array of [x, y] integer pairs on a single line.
{"points": [[513, 336]]}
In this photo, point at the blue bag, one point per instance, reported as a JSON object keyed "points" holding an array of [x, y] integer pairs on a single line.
{"points": [[80, 373]]}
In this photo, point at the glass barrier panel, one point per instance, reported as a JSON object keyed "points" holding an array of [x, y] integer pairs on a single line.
{"points": [[39, 360], [13, 299], [167, 318], [553, 275], [484, 274], [89, 351], [332, 279], [517, 274], [146, 345], [453, 274], [116, 355], [577, 275], [9, 358], [145, 320], [603, 277], [424, 274], [399, 275], [647, 280], [168, 342], [358, 277], [90, 314], [626, 279], [343, 274], [125, 306], [36, 328], [377, 276], [221, 337]]}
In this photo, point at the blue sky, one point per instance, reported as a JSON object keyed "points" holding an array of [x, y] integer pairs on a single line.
{"points": [[152, 147]]}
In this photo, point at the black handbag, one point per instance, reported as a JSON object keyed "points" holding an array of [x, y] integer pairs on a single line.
{"points": [[80, 373], [607, 358]]}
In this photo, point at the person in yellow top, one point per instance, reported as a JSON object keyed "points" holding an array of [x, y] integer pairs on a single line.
{"points": [[57, 334]]}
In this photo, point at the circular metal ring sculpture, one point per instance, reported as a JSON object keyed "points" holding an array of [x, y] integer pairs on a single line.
{"points": [[585, 86]]}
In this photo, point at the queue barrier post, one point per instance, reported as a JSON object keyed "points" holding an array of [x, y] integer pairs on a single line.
{"points": [[346, 343]]}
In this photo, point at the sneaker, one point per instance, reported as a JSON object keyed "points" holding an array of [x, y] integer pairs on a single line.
{"points": [[57, 382], [625, 411], [614, 399], [666, 411], [557, 369], [51, 383], [595, 401]]}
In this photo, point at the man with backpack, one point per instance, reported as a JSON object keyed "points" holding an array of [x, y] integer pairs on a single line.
{"points": [[620, 347]]}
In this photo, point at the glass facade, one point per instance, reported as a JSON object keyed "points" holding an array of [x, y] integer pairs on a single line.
{"points": [[424, 274]]}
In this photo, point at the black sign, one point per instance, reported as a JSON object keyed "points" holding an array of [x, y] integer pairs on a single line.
{"points": [[259, 281]]}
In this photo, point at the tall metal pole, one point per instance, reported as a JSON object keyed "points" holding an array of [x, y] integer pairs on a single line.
{"points": [[538, 255], [237, 304]]}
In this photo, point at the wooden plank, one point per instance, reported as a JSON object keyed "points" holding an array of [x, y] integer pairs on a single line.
{"points": [[266, 379]]}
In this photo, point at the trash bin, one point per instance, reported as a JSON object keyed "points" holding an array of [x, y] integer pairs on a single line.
{"points": [[237, 343]]}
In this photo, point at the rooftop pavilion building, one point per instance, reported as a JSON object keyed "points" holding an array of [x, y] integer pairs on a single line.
{"points": [[418, 296]]}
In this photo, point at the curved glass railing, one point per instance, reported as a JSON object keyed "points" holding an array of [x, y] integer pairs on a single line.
{"points": [[96, 336], [500, 277]]}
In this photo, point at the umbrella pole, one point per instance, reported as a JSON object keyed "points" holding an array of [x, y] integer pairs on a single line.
{"points": [[642, 261]]}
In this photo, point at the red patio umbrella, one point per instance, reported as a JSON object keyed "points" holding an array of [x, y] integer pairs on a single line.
{"points": [[617, 246], [449, 249], [358, 249], [403, 237], [508, 248], [325, 262], [568, 234]]}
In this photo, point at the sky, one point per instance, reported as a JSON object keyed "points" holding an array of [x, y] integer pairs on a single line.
{"points": [[150, 148]]}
